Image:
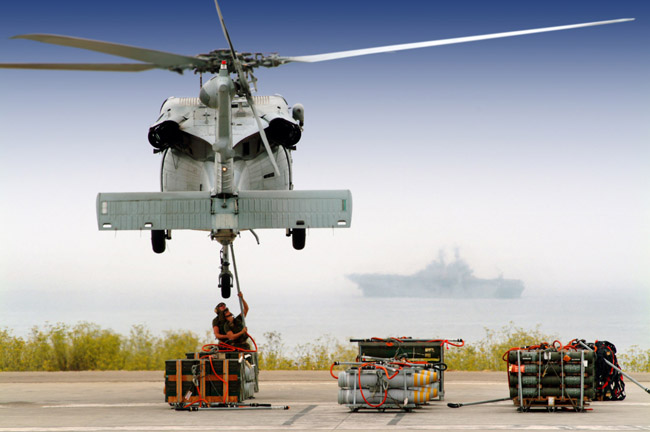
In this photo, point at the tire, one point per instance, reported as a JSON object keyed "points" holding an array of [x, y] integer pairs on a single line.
{"points": [[298, 238], [158, 239], [225, 282]]}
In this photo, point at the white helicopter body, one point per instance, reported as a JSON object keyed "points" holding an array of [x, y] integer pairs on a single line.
{"points": [[226, 154]]}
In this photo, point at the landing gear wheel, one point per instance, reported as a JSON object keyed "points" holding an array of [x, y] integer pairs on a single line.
{"points": [[298, 238], [225, 283], [158, 238]]}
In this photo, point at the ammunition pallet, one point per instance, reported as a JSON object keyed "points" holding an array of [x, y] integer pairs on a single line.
{"points": [[209, 379], [393, 373], [549, 403], [551, 378]]}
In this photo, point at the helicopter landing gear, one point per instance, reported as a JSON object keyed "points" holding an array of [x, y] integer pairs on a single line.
{"points": [[158, 240], [225, 283], [225, 277], [225, 237], [298, 237]]}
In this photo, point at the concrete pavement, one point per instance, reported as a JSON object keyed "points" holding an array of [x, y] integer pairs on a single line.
{"points": [[134, 401]]}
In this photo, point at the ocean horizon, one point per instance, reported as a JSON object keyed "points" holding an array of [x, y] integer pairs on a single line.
{"points": [[303, 317]]}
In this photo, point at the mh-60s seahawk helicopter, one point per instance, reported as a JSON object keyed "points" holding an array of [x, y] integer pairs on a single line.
{"points": [[226, 154]]}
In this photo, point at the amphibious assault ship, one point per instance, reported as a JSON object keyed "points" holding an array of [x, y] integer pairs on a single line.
{"points": [[438, 279]]}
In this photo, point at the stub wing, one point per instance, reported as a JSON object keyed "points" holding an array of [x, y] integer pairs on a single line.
{"points": [[200, 211]]}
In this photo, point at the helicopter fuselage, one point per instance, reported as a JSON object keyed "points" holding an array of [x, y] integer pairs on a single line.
{"points": [[186, 130]]}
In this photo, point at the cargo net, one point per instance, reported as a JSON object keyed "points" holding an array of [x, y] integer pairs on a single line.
{"points": [[609, 379], [207, 380], [551, 376], [389, 383], [223, 347], [220, 374]]}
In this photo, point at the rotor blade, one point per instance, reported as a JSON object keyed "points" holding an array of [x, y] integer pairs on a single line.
{"points": [[240, 73], [225, 30], [159, 58], [265, 140], [246, 90], [107, 67], [408, 46]]}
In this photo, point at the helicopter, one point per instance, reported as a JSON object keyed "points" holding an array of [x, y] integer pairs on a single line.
{"points": [[226, 154]]}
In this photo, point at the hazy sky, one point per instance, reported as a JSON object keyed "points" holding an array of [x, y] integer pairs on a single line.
{"points": [[529, 154]]}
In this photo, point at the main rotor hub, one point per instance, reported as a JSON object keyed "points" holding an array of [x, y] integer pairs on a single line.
{"points": [[248, 61]]}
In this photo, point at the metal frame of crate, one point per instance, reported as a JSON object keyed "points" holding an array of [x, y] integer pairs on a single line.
{"points": [[539, 396], [189, 381], [428, 350]]}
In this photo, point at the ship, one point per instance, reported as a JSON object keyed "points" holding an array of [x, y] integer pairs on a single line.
{"points": [[438, 279]]}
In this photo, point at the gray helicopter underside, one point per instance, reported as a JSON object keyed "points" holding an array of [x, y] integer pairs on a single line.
{"points": [[188, 163], [181, 173]]}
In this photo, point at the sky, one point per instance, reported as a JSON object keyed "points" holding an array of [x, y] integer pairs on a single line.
{"points": [[529, 155]]}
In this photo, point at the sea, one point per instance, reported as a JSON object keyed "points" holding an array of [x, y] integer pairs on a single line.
{"points": [[624, 321], [305, 317]]}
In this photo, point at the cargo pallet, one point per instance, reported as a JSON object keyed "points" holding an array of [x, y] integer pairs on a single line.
{"points": [[382, 388], [431, 352], [551, 379], [209, 379], [417, 364]]}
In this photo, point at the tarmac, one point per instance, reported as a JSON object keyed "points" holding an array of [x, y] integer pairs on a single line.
{"points": [[134, 401]]}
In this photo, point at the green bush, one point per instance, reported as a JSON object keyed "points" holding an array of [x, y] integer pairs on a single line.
{"points": [[634, 360], [316, 355], [487, 353], [11, 351], [86, 346], [92, 348], [321, 353], [271, 354], [175, 343]]}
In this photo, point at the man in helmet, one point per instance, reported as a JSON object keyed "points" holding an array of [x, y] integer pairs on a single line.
{"points": [[234, 328], [236, 334], [218, 322]]}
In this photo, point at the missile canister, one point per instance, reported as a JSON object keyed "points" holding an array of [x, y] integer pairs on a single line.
{"points": [[394, 396], [550, 356], [551, 377], [375, 377], [554, 368], [533, 380], [571, 392]]}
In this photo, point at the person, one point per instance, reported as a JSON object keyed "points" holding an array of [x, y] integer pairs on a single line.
{"points": [[218, 323], [234, 327], [237, 335]]}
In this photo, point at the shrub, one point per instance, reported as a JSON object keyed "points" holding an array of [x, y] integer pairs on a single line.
{"points": [[634, 360], [175, 343], [92, 348], [322, 353], [86, 346], [11, 349], [316, 355], [271, 354], [487, 353]]}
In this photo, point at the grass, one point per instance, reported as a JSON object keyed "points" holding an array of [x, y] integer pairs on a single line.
{"points": [[86, 346]]}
